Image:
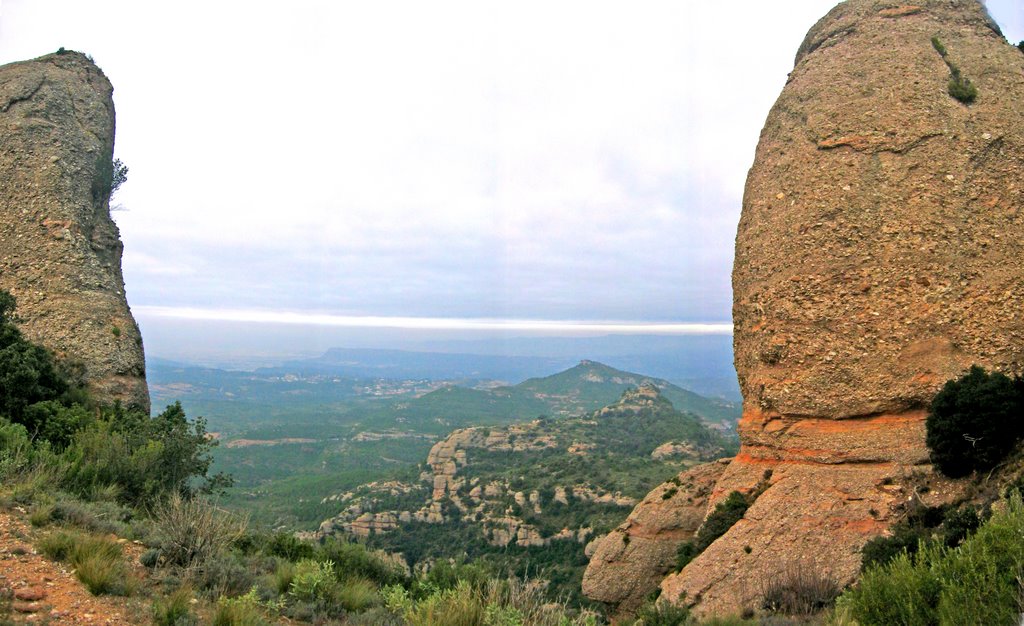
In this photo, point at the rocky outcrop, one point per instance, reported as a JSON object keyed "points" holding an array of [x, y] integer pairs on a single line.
{"points": [[628, 563], [880, 253], [61, 254]]}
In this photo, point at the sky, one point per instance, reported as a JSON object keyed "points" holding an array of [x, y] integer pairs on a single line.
{"points": [[337, 162]]}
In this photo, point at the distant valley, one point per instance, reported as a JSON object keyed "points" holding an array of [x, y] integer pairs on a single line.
{"points": [[296, 435]]}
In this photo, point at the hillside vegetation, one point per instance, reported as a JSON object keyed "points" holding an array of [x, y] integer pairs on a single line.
{"points": [[529, 497], [293, 437]]}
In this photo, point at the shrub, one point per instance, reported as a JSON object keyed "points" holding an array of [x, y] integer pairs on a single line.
{"points": [[175, 609], [726, 513], [241, 611], [225, 573], [98, 561], [283, 575], [799, 590], [514, 601], [961, 88], [882, 550], [1020, 46], [973, 422], [191, 532], [108, 177], [289, 547], [150, 558], [312, 580], [353, 559], [655, 613], [975, 583], [905, 591], [15, 450], [357, 595], [922, 525], [143, 458]]}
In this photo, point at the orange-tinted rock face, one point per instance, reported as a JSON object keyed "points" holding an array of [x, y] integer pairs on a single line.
{"points": [[60, 254], [880, 253], [629, 562]]}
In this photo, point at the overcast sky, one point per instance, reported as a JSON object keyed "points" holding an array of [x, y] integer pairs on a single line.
{"points": [[515, 160]]}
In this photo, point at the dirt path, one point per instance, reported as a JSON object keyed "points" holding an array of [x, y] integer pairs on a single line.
{"points": [[46, 592]]}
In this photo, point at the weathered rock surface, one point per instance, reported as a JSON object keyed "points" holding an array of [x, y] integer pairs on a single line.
{"points": [[628, 563], [880, 253], [61, 254]]}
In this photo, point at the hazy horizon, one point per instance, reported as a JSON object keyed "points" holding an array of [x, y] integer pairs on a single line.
{"points": [[470, 160]]}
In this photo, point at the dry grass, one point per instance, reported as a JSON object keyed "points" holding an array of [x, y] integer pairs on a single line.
{"points": [[800, 589], [191, 532]]}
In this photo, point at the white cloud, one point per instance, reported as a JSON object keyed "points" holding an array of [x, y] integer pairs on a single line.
{"points": [[541, 158]]}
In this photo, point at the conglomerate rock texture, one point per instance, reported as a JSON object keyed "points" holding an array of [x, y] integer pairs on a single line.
{"points": [[880, 253], [60, 253]]}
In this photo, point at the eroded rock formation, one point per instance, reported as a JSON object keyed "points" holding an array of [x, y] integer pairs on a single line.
{"points": [[61, 253], [628, 563], [880, 253]]}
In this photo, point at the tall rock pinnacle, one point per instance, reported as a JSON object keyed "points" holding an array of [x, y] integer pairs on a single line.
{"points": [[880, 253], [60, 253]]}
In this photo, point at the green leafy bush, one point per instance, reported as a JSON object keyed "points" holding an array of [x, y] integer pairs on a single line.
{"points": [[145, 458], [289, 547], [961, 88], [922, 525], [726, 513], [245, 610], [108, 177], [974, 583], [27, 372], [974, 422], [354, 559]]}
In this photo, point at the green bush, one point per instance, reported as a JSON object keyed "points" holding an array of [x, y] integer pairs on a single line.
{"points": [[16, 450], [241, 611], [108, 176], [62, 440], [655, 613], [98, 561], [288, 546], [974, 422], [353, 559], [922, 525], [27, 372], [975, 583], [145, 458], [175, 609], [961, 88], [726, 513], [357, 595]]}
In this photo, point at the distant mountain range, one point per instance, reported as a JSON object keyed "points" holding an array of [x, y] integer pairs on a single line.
{"points": [[586, 387], [405, 364]]}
